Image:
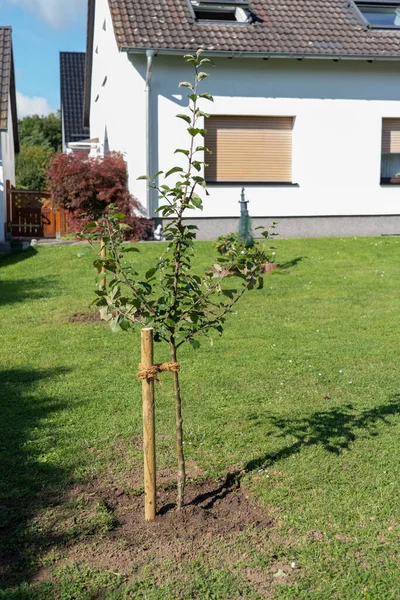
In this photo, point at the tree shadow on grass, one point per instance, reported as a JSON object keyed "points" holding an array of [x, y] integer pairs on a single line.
{"points": [[291, 263], [17, 290], [25, 477], [18, 256], [13, 291], [334, 430]]}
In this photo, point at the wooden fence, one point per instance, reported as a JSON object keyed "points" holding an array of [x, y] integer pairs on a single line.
{"points": [[32, 214]]}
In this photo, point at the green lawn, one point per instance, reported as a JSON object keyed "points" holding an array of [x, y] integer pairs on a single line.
{"points": [[302, 393]]}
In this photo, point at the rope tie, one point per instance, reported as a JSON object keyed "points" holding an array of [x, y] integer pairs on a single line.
{"points": [[150, 373]]}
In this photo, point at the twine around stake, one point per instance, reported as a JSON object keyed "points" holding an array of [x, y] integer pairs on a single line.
{"points": [[150, 373]]}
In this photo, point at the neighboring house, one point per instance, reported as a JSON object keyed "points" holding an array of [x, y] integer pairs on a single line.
{"points": [[9, 142], [306, 112], [72, 79]]}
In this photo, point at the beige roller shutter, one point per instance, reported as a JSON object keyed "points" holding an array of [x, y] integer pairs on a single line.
{"points": [[247, 148], [390, 136]]}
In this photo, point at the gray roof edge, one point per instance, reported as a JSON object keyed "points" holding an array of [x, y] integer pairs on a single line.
{"points": [[14, 113], [89, 62], [263, 55]]}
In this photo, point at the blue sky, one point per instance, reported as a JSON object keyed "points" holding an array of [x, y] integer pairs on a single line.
{"points": [[41, 29]]}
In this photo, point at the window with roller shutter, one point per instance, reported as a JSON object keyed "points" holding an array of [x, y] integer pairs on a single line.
{"points": [[249, 149], [390, 162]]}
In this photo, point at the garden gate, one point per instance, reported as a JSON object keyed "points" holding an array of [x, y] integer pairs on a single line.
{"points": [[32, 214]]}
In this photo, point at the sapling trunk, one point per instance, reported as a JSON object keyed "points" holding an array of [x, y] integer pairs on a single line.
{"points": [[179, 432]]}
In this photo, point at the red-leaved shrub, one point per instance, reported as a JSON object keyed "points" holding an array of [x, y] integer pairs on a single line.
{"points": [[85, 187]]}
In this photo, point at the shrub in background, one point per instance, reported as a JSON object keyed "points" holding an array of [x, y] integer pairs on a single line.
{"points": [[87, 187]]}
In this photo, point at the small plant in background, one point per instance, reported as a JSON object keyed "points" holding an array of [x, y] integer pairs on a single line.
{"points": [[233, 249], [178, 304], [87, 187], [224, 243]]}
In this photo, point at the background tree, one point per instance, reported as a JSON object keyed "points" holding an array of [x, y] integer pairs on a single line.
{"points": [[31, 167], [178, 304], [40, 138], [42, 131], [86, 187]]}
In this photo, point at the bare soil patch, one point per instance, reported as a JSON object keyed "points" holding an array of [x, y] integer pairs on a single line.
{"points": [[213, 512], [91, 317]]}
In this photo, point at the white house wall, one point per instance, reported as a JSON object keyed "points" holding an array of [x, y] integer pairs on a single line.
{"points": [[118, 106], [7, 167], [337, 108]]}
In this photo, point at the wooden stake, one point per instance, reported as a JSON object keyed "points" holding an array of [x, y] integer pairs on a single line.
{"points": [[103, 270], [149, 429]]}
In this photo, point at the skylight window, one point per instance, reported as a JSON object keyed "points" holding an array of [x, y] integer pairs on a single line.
{"points": [[384, 15], [229, 11]]}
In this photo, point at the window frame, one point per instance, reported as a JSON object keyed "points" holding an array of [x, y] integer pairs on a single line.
{"points": [[388, 181], [375, 3], [252, 182], [218, 6]]}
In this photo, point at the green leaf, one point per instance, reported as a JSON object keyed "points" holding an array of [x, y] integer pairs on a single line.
{"points": [[104, 314], [173, 170], [201, 76], [200, 113], [194, 343], [157, 174], [203, 149], [124, 324], [196, 131], [197, 165], [190, 58], [143, 177], [119, 216], [206, 96], [197, 201], [150, 273], [114, 324], [185, 84], [184, 117], [181, 151]]}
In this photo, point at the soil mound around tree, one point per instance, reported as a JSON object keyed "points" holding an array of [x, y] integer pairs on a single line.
{"points": [[213, 512]]}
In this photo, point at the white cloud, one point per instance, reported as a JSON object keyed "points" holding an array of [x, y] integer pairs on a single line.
{"points": [[57, 13], [32, 105]]}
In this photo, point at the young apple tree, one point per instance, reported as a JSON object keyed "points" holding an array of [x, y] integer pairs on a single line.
{"points": [[178, 304]]}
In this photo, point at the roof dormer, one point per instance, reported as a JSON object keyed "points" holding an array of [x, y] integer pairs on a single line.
{"points": [[221, 11]]}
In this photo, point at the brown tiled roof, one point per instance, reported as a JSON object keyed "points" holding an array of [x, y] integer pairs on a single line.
{"points": [[280, 27], [5, 73], [7, 84]]}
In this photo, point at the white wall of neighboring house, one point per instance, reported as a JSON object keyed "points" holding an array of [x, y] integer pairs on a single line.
{"points": [[337, 107], [118, 99], [7, 167]]}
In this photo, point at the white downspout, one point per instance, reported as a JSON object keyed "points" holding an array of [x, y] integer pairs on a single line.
{"points": [[150, 58]]}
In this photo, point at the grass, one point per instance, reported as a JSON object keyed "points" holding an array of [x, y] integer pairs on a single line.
{"points": [[302, 392]]}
